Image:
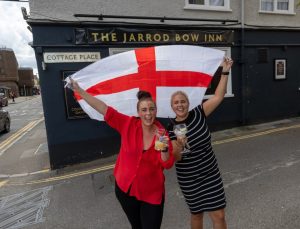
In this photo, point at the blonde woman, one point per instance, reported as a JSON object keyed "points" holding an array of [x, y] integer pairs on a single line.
{"points": [[196, 167]]}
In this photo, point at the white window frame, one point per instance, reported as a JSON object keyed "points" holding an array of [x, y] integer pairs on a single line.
{"points": [[291, 9], [206, 6], [229, 93]]}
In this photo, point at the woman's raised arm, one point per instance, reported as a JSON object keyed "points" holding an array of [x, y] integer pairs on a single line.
{"points": [[97, 104], [212, 103]]}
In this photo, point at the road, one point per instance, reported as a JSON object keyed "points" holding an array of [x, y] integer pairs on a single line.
{"points": [[26, 142], [260, 166]]}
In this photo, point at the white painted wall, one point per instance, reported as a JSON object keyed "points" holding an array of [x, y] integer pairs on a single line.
{"points": [[63, 10]]}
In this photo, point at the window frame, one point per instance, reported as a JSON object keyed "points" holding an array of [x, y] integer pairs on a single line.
{"points": [[290, 11], [206, 6]]}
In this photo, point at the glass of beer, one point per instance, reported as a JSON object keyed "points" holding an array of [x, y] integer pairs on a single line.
{"points": [[161, 141]]}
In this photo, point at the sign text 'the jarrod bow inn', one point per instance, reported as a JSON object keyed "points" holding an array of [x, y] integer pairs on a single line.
{"points": [[151, 36]]}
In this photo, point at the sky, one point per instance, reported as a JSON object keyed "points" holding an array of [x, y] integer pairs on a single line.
{"points": [[14, 33]]}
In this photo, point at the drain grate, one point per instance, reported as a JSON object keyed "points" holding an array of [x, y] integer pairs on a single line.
{"points": [[23, 209]]}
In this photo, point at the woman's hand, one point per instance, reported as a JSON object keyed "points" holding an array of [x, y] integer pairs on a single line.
{"points": [[227, 63], [181, 141], [177, 149], [165, 139], [75, 86], [97, 104], [210, 105], [165, 150]]}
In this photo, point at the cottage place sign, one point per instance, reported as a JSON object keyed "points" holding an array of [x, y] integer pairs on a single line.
{"points": [[71, 57], [111, 36]]}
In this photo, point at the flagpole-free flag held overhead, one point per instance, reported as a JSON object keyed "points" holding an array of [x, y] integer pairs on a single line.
{"points": [[159, 70]]}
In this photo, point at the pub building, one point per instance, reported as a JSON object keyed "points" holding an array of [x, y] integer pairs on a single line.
{"points": [[67, 41]]}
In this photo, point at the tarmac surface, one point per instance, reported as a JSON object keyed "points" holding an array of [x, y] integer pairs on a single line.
{"points": [[260, 166]]}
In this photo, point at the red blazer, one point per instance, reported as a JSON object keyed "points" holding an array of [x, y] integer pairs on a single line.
{"points": [[140, 171]]}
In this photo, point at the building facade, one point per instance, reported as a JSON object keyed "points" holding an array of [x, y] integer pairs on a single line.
{"points": [[262, 37], [13, 79], [26, 81], [8, 71]]}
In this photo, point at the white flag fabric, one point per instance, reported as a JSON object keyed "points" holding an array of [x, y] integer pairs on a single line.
{"points": [[160, 70]]}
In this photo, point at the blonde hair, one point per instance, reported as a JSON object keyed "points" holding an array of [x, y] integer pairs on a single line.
{"points": [[179, 93]]}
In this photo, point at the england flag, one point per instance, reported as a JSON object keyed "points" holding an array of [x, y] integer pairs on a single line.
{"points": [[159, 70]]}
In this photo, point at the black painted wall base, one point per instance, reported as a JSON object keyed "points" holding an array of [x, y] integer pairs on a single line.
{"points": [[62, 155]]}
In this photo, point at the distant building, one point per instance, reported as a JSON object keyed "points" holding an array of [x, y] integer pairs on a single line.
{"points": [[26, 81], [9, 70]]}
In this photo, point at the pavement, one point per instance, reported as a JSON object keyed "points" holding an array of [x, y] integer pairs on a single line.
{"points": [[260, 165], [21, 99]]}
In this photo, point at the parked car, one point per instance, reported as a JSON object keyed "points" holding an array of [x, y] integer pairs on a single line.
{"points": [[3, 100], [4, 120]]}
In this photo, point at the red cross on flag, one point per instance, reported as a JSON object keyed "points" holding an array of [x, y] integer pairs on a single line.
{"points": [[159, 70]]}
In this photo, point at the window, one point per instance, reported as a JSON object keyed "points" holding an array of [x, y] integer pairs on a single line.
{"points": [[218, 5], [277, 6]]}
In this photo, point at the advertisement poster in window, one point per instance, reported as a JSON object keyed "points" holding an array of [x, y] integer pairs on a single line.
{"points": [[280, 69]]}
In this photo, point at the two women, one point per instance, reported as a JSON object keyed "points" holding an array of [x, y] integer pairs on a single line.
{"points": [[196, 167], [139, 168]]}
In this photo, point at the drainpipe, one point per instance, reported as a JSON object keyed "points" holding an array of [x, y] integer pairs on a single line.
{"points": [[244, 75]]}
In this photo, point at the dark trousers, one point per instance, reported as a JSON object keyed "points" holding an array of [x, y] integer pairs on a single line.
{"points": [[141, 215]]}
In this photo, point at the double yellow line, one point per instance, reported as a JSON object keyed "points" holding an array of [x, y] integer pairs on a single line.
{"points": [[111, 166], [255, 134], [6, 144]]}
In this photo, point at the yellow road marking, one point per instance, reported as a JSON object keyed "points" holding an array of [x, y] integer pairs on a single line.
{"points": [[2, 183], [254, 135], [16, 136], [111, 166], [41, 171]]}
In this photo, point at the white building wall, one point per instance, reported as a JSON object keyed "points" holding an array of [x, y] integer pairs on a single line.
{"points": [[63, 10], [254, 16]]}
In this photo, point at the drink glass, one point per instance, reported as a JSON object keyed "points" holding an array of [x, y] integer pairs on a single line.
{"points": [[180, 131], [160, 140]]}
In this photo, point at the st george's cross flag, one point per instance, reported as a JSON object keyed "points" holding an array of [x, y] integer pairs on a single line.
{"points": [[160, 70]]}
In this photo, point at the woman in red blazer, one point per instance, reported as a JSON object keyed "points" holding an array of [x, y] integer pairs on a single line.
{"points": [[139, 168]]}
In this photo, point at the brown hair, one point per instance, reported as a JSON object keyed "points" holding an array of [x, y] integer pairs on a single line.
{"points": [[142, 96]]}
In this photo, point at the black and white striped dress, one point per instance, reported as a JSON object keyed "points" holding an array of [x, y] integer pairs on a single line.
{"points": [[197, 173]]}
